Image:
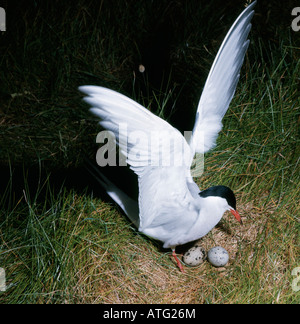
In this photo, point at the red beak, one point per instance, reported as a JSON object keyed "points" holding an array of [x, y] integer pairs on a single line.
{"points": [[236, 215]]}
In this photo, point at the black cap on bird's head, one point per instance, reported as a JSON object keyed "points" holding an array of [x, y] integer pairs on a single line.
{"points": [[226, 193]]}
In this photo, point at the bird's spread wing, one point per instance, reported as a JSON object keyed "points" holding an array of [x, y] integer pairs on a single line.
{"points": [[144, 138], [221, 84], [156, 152]]}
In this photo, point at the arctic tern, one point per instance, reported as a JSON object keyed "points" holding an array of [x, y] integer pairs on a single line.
{"points": [[170, 207]]}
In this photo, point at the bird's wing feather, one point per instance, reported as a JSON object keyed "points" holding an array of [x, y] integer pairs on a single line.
{"points": [[128, 205], [221, 84], [144, 138], [158, 154]]}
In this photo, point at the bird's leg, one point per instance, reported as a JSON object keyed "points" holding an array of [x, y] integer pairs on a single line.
{"points": [[177, 260]]}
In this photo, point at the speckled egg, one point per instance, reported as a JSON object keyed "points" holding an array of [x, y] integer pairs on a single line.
{"points": [[194, 256], [218, 256]]}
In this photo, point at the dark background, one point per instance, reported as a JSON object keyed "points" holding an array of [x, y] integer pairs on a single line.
{"points": [[52, 47]]}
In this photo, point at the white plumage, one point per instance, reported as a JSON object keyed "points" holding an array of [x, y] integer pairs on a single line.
{"points": [[170, 206]]}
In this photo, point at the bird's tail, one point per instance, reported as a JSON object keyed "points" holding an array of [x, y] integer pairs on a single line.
{"points": [[128, 205]]}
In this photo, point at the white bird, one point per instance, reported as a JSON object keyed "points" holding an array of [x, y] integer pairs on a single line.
{"points": [[170, 206]]}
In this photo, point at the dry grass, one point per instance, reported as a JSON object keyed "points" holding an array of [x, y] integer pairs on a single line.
{"points": [[137, 271], [79, 249]]}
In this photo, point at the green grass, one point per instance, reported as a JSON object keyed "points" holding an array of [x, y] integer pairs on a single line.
{"points": [[62, 244], [64, 247]]}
